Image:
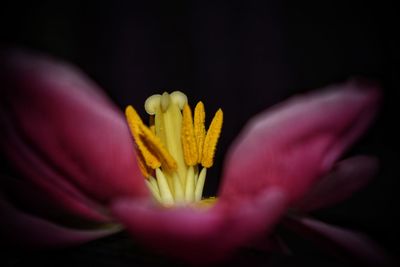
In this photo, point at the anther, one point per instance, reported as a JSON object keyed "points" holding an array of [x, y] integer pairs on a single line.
{"points": [[199, 128], [135, 124], [210, 142], [189, 145], [150, 146]]}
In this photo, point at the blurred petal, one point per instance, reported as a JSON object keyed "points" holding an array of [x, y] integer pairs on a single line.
{"points": [[342, 242], [271, 243], [62, 133], [298, 141], [22, 230], [347, 177], [71, 208], [197, 235]]}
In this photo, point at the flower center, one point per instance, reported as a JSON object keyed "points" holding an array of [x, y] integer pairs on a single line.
{"points": [[175, 151]]}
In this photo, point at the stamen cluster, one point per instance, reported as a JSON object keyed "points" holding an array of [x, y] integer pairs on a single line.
{"points": [[174, 147]]}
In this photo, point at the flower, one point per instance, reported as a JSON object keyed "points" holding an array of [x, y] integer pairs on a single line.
{"points": [[72, 171]]}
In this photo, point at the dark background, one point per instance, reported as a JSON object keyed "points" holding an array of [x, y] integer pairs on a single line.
{"points": [[242, 56]]}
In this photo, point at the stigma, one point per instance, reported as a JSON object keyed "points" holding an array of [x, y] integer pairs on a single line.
{"points": [[175, 150]]}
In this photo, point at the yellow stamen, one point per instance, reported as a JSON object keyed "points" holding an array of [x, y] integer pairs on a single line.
{"points": [[210, 142], [155, 144], [154, 190], [144, 169], [199, 128], [165, 192], [153, 181], [200, 185], [179, 195], [189, 192], [188, 139], [134, 122], [150, 146]]}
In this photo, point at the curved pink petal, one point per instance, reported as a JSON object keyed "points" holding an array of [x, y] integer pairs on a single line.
{"points": [[346, 177], [62, 133], [271, 243], [22, 230], [71, 207], [201, 236], [298, 141], [339, 241]]}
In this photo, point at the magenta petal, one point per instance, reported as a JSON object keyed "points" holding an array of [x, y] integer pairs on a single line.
{"points": [[201, 236], [273, 243], [342, 242], [70, 204], [59, 128], [347, 177], [298, 141], [23, 230]]}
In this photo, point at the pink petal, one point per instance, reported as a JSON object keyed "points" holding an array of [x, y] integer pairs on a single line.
{"points": [[342, 242], [60, 129], [271, 243], [201, 236], [347, 177], [298, 141], [22, 230], [70, 204]]}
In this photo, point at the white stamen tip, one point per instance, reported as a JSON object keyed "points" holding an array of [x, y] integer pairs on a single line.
{"points": [[179, 99], [152, 103]]}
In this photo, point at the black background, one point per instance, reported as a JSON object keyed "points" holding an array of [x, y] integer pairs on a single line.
{"points": [[242, 56]]}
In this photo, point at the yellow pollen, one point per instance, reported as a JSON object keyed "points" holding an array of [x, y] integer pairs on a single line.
{"points": [[155, 144], [153, 151], [205, 203], [199, 128], [188, 139], [144, 169], [210, 142]]}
